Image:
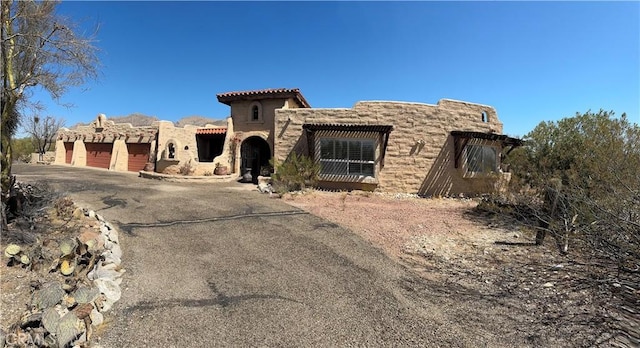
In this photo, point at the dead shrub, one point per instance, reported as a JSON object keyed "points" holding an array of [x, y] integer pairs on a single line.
{"points": [[186, 169]]}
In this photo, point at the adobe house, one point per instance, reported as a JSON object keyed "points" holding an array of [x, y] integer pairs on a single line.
{"points": [[105, 144], [450, 148], [253, 115], [202, 149], [161, 147]]}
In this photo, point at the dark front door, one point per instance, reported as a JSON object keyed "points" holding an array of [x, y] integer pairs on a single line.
{"points": [[255, 154]]}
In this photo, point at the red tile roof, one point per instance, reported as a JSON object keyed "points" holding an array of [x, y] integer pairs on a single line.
{"points": [[218, 130], [269, 93]]}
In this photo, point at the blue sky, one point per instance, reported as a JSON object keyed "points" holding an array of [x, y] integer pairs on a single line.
{"points": [[532, 61]]}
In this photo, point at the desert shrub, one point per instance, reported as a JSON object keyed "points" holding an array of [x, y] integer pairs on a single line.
{"points": [[64, 207], [186, 169], [297, 172], [579, 177], [22, 149], [577, 180]]}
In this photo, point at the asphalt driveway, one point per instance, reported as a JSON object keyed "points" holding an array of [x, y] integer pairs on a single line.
{"points": [[223, 265]]}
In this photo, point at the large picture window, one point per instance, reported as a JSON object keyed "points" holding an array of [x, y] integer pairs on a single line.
{"points": [[481, 159], [353, 157]]}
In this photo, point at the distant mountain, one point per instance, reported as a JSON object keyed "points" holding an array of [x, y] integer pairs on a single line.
{"points": [[199, 121], [79, 124], [136, 120], [141, 120]]}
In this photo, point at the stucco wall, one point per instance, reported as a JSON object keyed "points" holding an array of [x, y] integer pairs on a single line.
{"points": [[420, 153], [186, 149], [184, 142], [244, 126], [119, 156], [102, 130], [79, 158]]}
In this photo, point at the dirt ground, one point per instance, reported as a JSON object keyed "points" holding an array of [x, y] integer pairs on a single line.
{"points": [[508, 288], [479, 262]]}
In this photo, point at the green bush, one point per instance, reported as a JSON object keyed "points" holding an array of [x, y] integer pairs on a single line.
{"points": [[22, 149], [297, 172], [579, 176]]}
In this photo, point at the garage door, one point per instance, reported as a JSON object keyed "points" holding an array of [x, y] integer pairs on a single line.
{"points": [[98, 154], [68, 152], [138, 156]]}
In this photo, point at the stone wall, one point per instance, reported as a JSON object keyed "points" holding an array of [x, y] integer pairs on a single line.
{"points": [[47, 157], [420, 152]]}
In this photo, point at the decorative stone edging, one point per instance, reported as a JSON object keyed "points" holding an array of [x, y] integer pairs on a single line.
{"points": [[107, 275], [63, 316], [188, 178]]}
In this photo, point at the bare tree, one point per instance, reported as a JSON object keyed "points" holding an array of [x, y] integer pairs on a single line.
{"points": [[43, 132], [38, 48]]}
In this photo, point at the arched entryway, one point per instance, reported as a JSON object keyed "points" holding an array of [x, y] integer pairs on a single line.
{"points": [[255, 153]]}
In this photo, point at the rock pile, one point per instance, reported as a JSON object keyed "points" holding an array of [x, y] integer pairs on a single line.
{"points": [[64, 313]]}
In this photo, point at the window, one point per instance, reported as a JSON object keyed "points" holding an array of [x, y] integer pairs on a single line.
{"points": [[255, 112], [481, 159], [172, 151], [355, 157]]}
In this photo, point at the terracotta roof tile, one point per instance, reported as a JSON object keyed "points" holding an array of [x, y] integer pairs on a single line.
{"points": [[219, 130], [228, 97]]}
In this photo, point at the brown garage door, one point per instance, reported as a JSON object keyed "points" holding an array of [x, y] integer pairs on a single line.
{"points": [[138, 156], [68, 152], [98, 154]]}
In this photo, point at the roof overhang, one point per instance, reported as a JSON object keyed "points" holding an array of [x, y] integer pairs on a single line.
{"points": [[348, 127], [461, 138], [504, 139], [271, 93]]}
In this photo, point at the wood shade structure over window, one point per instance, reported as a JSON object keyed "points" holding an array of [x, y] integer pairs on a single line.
{"points": [[461, 138], [383, 130]]}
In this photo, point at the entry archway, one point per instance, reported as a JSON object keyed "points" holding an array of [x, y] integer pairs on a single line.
{"points": [[255, 153]]}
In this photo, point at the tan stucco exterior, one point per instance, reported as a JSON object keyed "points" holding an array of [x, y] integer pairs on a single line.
{"points": [[158, 136], [186, 149], [245, 127], [415, 149], [420, 152], [104, 131]]}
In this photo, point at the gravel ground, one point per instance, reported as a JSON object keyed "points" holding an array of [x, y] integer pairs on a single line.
{"points": [[404, 224], [519, 288], [302, 281]]}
